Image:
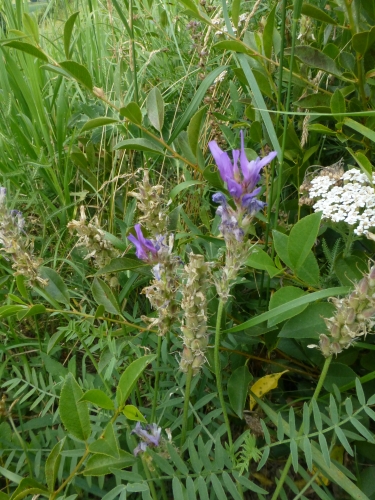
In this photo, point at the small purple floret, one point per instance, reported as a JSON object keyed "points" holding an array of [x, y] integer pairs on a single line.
{"points": [[144, 248], [150, 436]]}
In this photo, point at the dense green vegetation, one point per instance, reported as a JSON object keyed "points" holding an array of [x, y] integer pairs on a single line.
{"points": [[174, 323]]}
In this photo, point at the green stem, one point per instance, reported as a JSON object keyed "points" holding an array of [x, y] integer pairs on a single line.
{"points": [[218, 370], [185, 417], [349, 243], [149, 478], [315, 397], [157, 378]]}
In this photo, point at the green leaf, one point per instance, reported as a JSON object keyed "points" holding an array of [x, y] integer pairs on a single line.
{"points": [[73, 413], [98, 122], [360, 393], [107, 443], [238, 385], [190, 5], [338, 104], [28, 48], [6, 311], [131, 412], [28, 487], [338, 374], [31, 26], [178, 493], [281, 242], [363, 163], [268, 33], [363, 41], [68, 30], [101, 465], [180, 187], [314, 101], [309, 271], [321, 129], [177, 461], [361, 129], [284, 296], [155, 108], [132, 112], [278, 312], [316, 13], [302, 238], [194, 104], [236, 4], [314, 58], [53, 464], [130, 376], [249, 484], [78, 72], [343, 440], [308, 453], [139, 145], [218, 489], [56, 288], [259, 259], [235, 46], [122, 264], [98, 398], [194, 128], [32, 311], [350, 269], [309, 324], [103, 295], [20, 281], [230, 486]]}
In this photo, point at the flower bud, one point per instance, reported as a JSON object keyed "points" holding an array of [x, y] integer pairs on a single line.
{"points": [[324, 345], [336, 348], [362, 286]]}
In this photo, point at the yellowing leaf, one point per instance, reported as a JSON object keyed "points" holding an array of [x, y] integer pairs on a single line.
{"points": [[132, 413], [264, 385]]}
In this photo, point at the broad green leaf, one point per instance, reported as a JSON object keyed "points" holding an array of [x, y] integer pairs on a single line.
{"points": [[53, 366], [98, 398], [107, 443], [302, 238], [130, 376], [236, 4], [132, 112], [314, 101], [131, 412], [6, 311], [238, 385], [98, 122], [53, 464], [31, 26], [363, 163], [211, 174], [78, 72], [190, 5], [309, 271], [312, 11], [235, 46], [101, 465], [29, 487], [32, 311], [28, 48], [314, 58], [281, 242], [259, 259], [180, 187], [338, 374], [350, 269], [194, 127], [68, 30], [73, 413], [20, 281], [363, 41], [361, 129], [338, 104], [284, 296], [55, 339], [104, 296], [155, 108], [139, 145], [321, 129], [122, 264], [309, 324], [56, 288], [278, 313], [268, 33]]}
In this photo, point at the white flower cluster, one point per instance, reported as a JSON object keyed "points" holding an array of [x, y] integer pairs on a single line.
{"points": [[352, 202]]}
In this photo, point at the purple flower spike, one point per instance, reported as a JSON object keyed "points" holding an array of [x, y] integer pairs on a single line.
{"points": [[144, 248], [241, 184], [150, 436]]}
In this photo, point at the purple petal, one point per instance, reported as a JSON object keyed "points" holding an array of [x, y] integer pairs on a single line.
{"points": [[219, 198], [251, 203], [144, 241], [141, 447], [139, 250], [235, 189], [222, 161]]}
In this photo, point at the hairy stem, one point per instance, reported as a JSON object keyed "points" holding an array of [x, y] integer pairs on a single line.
{"points": [[189, 377], [157, 378], [218, 370]]}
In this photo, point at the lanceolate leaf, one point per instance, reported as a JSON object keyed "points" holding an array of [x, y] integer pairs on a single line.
{"points": [[132, 112], [99, 398], [78, 72], [155, 108], [74, 413], [28, 48], [98, 122], [139, 145], [68, 29], [53, 464], [56, 288], [130, 376], [315, 59], [104, 296]]}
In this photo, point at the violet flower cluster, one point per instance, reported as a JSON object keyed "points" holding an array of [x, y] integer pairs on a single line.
{"points": [[241, 183], [150, 437]]}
